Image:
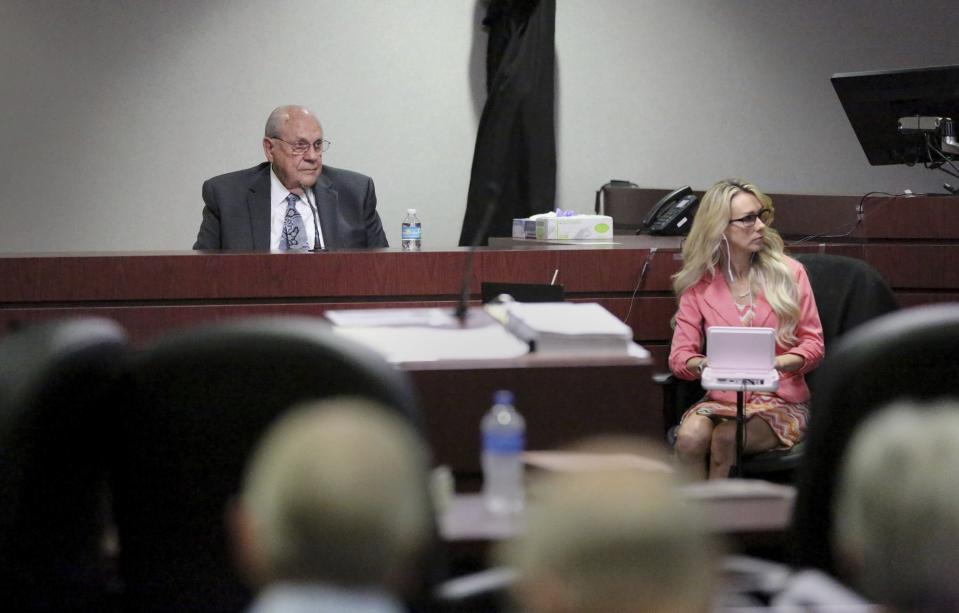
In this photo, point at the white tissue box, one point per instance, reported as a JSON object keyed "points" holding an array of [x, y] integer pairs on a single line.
{"points": [[530, 228], [524, 228], [577, 227]]}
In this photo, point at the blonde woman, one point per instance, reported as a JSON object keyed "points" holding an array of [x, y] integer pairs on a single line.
{"points": [[736, 274]]}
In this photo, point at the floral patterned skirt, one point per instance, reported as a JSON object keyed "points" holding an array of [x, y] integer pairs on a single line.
{"points": [[787, 420]]}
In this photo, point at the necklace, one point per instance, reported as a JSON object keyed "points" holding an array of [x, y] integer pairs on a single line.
{"points": [[747, 312], [747, 292]]}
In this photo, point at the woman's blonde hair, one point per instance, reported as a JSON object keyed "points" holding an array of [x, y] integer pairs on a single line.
{"points": [[769, 272]]}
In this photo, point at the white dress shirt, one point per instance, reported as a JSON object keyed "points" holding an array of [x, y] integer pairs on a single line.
{"points": [[278, 205]]}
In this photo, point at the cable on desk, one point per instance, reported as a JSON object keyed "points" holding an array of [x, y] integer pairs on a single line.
{"points": [[860, 214], [639, 282]]}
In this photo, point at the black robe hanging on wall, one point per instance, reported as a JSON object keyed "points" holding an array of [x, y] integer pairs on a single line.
{"points": [[514, 161]]}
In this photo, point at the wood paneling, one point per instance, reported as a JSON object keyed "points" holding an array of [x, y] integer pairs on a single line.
{"points": [[561, 401], [148, 293], [913, 242]]}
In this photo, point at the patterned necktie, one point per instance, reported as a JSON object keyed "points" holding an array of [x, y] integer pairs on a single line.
{"points": [[294, 236]]}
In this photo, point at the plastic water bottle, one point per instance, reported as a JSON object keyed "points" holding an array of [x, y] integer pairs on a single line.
{"points": [[412, 231], [504, 437]]}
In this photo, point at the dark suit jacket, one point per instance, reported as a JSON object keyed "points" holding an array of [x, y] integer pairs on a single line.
{"points": [[236, 211]]}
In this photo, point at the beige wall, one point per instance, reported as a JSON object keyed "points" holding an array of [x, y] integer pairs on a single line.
{"points": [[113, 112]]}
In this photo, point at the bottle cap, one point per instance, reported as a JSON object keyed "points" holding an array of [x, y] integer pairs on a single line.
{"points": [[503, 397], [411, 211]]}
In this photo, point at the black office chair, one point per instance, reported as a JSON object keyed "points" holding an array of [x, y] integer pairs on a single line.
{"points": [[848, 293], [58, 396], [909, 354], [201, 400]]}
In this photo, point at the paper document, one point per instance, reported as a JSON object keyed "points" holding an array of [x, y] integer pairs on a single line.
{"points": [[635, 350], [391, 317], [563, 327], [569, 318], [415, 344], [427, 334]]}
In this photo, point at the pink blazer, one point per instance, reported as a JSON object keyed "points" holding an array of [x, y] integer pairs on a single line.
{"points": [[710, 303]]}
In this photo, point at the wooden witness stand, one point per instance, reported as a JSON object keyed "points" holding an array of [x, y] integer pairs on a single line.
{"points": [[913, 242], [151, 293]]}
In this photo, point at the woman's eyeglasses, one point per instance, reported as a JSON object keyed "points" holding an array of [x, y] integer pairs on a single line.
{"points": [[748, 221]]}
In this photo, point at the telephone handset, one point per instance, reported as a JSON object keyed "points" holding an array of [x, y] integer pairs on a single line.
{"points": [[673, 214]]}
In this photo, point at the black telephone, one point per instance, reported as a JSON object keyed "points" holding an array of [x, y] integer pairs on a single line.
{"points": [[673, 214]]}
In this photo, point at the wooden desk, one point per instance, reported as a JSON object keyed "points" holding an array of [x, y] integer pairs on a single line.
{"points": [[763, 514], [563, 399], [150, 293], [757, 524], [913, 242]]}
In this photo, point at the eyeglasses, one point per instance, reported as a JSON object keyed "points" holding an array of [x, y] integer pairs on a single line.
{"points": [[301, 146], [748, 221]]}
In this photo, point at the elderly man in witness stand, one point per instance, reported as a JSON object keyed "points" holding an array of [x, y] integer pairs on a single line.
{"points": [[334, 511], [290, 202]]}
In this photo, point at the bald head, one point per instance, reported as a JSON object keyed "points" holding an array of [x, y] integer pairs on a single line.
{"points": [[288, 129], [282, 115], [614, 539], [336, 493], [896, 517]]}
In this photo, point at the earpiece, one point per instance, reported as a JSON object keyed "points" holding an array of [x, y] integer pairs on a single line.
{"points": [[729, 257]]}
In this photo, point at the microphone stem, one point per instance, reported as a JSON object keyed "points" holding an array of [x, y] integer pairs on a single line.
{"points": [[463, 307], [317, 237]]}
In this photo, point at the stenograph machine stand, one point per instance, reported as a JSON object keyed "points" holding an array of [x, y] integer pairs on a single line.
{"points": [[740, 359]]}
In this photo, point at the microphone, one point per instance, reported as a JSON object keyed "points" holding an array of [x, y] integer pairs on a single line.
{"points": [[462, 306], [316, 228]]}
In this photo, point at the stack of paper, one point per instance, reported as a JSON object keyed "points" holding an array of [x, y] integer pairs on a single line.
{"points": [[553, 327], [427, 334]]}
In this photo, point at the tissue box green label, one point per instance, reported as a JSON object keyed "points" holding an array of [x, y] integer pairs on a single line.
{"points": [[578, 227]]}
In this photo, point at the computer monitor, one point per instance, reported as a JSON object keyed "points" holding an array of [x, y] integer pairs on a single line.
{"points": [[875, 101]]}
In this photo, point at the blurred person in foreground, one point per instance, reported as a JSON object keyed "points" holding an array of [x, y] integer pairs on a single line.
{"points": [[334, 511], [897, 509], [735, 274], [616, 539]]}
